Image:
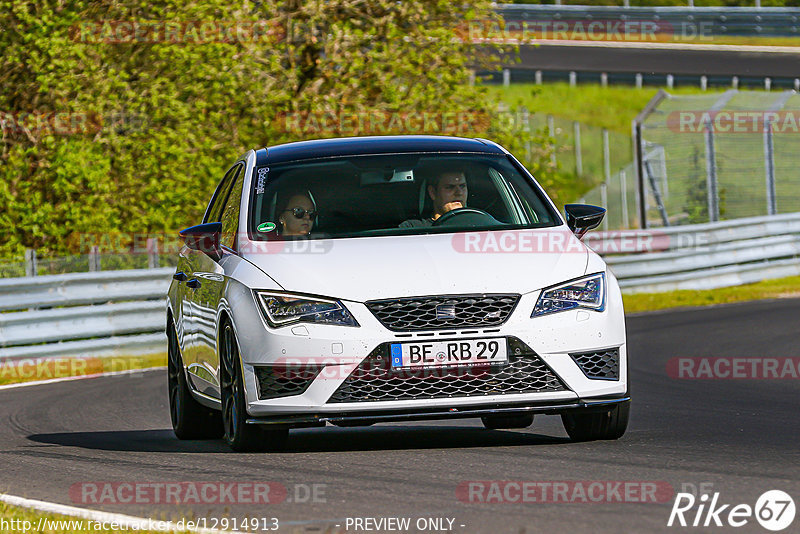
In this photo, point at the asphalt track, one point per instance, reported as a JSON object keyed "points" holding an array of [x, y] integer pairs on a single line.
{"points": [[741, 436], [629, 59]]}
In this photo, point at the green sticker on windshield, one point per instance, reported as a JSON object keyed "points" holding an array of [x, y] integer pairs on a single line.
{"points": [[266, 227]]}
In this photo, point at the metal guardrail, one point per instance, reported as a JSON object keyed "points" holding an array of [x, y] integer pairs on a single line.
{"points": [[122, 312], [716, 21], [83, 314], [712, 255]]}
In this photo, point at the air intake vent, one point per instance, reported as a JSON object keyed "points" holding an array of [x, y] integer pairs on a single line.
{"points": [[432, 313], [600, 365]]}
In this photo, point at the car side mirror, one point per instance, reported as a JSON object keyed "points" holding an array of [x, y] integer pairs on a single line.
{"points": [[204, 238], [583, 217]]}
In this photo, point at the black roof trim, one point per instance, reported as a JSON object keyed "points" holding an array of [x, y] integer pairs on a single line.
{"points": [[358, 146]]}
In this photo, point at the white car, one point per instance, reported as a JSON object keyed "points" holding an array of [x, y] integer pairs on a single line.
{"points": [[378, 279]]}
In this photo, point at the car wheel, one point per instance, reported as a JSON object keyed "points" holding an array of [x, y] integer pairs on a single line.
{"points": [[496, 422], [241, 436], [190, 419], [597, 425]]}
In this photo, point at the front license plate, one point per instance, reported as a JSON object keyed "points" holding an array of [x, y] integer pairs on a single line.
{"points": [[442, 353]]}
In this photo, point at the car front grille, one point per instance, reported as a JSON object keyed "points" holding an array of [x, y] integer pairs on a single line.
{"points": [[599, 365], [375, 380], [284, 381], [453, 311]]}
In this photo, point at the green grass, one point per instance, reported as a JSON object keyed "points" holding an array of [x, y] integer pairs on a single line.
{"points": [[768, 289], [739, 156], [612, 107], [34, 369]]}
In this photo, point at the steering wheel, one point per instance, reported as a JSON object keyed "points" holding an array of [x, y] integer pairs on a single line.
{"points": [[466, 217]]}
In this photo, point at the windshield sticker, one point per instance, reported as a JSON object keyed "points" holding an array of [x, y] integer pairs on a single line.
{"points": [[262, 179], [266, 227]]}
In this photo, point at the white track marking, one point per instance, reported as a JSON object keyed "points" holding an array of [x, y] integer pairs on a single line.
{"points": [[80, 377], [128, 522]]}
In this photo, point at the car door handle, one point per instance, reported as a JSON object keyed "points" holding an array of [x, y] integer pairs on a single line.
{"points": [[180, 276], [194, 283]]}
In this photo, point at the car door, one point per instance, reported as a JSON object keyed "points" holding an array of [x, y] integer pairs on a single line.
{"points": [[203, 291]]}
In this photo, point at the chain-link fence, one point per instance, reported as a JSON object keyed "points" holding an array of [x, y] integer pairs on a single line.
{"points": [[724, 156], [35, 265], [593, 159]]}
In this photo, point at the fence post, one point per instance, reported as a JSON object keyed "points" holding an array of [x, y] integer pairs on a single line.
{"points": [[152, 253], [769, 165], [525, 118], [94, 259], [623, 183], [604, 202], [711, 174], [638, 156], [606, 156], [31, 263], [662, 209], [606, 175], [576, 128], [551, 128]]}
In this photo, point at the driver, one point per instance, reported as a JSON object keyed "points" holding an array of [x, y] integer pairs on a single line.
{"points": [[448, 191]]}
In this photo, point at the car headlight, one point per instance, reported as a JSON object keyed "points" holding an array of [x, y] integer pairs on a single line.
{"points": [[588, 292], [281, 309]]}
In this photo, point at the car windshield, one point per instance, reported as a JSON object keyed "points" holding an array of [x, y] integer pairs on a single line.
{"points": [[396, 194]]}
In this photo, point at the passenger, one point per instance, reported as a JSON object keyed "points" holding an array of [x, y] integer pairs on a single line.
{"points": [[448, 191], [296, 216]]}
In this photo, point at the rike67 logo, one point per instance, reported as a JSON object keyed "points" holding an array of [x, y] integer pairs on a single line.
{"points": [[774, 510]]}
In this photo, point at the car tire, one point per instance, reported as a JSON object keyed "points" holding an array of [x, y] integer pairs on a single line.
{"points": [[239, 435], [190, 419], [592, 426], [497, 422]]}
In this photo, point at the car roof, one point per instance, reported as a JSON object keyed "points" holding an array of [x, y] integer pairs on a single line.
{"points": [[357, 146]]}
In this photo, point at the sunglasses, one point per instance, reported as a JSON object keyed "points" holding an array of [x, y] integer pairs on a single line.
{"points": [[300, 212]]}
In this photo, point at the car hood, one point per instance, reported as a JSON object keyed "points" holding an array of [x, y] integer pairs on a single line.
{"points": [[367, 268]]}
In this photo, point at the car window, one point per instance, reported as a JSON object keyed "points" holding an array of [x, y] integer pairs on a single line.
{"points": [[230, 215], [392, 195], [214, 210]]}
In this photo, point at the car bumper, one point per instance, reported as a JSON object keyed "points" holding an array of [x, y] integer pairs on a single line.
{"points": [[554, 339], [422, 414]]}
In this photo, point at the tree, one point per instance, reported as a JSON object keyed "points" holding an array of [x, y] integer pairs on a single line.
{"points": [[121, 115]]}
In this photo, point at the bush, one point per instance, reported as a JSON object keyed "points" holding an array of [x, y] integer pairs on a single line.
{"points": [[106, 131]]}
